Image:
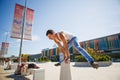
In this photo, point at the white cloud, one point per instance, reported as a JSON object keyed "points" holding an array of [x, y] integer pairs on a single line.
{"points": [[35, 38], [18, 40], [6, 33]]}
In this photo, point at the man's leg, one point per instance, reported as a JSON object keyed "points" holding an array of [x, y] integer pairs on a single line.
{"points": [[84, 53], [61, 59]]}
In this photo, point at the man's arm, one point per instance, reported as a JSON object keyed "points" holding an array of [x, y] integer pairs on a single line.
{"points": [[60, 46], [63, 38]]}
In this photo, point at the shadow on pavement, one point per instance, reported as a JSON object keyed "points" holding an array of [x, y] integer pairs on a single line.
{"points": [[90, 66], [17, 77]]}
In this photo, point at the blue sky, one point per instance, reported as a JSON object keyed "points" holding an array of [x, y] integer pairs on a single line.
{"points": [[87, 19]]}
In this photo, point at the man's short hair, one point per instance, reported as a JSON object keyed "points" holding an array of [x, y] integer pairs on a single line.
{"points": [[50, 31]]}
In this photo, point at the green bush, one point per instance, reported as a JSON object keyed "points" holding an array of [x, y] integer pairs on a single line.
{"points": [[97, 57], [101, 57], [80, 58], [44, 59]]}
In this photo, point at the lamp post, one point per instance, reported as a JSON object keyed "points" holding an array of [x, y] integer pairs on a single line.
{"points": [[22, 31], [4, 49]]}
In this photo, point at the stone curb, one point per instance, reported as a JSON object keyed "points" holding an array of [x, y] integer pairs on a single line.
{"points": [[86, 64]]}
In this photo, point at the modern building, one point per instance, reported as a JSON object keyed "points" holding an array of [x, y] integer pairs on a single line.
{"points": [[109, 43], [33, 57]]}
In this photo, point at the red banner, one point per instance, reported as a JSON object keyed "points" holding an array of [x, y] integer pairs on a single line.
{"points": [[4, 48], [29, 22], [17, 23], [0, 54]]}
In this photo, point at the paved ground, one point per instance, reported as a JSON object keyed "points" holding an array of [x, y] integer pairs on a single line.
{"points": [[78, 73], [9, 75], [84, 73]]}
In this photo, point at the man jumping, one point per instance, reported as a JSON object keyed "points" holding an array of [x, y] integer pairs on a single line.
{"points": [[65, 41]]}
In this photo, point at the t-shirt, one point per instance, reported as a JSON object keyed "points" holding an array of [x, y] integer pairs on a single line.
{"points": [[68, 36]]}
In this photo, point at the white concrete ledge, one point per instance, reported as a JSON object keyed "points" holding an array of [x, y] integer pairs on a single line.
{"points": [[86, 64], [65, 71], [13, 66], [38, 74]]}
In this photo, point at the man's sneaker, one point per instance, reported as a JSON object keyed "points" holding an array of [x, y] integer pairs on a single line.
{"points": [[94, 65], [58, 64]]}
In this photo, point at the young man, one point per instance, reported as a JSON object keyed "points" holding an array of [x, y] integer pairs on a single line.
{"points": [[65, 41]]}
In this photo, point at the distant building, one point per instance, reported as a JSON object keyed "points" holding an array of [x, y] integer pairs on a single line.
{"points": [[34, 56], [109, 43]]}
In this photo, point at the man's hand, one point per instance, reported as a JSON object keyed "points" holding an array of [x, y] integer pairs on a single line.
{"points": [[67, 59]]}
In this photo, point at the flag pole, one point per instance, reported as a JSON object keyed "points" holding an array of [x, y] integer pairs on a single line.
{"points": [[22, 31], [5, 47]]}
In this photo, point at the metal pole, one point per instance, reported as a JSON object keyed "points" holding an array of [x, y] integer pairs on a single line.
{"points": [[22, 31], [6, 41], [4, 51]]}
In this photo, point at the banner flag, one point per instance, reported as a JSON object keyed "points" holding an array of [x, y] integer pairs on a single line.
{"points": [[4, 48], [0, 54], [29, 23], [18, 20]]}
